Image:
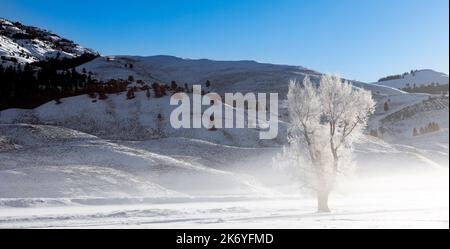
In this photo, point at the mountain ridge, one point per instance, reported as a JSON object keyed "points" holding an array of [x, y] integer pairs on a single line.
{"points": [[21, 44]]}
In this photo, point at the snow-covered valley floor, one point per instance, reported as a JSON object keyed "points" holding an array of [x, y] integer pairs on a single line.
{"points": [[53, 177], [396, 210]]}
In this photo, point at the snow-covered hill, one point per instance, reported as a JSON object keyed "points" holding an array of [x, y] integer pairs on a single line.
{"points": [[25, 44], [139, 118], [415, 78], [231, 76], [55, 162]]}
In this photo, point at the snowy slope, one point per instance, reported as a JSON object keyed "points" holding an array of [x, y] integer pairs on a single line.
{"points": [[243, 76], [55, 162], [418, 78], [53, 165], [25, 44], [134, 119], [409, 111]]}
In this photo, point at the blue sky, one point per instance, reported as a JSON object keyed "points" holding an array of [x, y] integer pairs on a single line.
{"points": [[360, 39]]}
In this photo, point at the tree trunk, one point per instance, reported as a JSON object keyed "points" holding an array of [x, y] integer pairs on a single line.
{"points": [[322, 201]]}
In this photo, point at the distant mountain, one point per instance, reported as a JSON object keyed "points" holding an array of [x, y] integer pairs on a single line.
{"points": [[242, 76], [425, 80], [26, 44]]}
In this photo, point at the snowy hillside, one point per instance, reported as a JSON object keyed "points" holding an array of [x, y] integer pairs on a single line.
{"points": [[397, 116], [25, 44], [416, 78], [243, 76], [135, 119], [46, 162], [40, 161]]}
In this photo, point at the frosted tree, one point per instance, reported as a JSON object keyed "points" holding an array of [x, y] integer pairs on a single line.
{"points": [[306, 138], [324, 122]]}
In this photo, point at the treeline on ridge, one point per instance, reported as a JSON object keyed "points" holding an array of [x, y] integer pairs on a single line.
{"points": [[31, 85]]}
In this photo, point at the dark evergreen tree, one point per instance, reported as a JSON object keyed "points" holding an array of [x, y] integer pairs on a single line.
{"points": [[386, 106], [130, 93], [173, 85]]}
